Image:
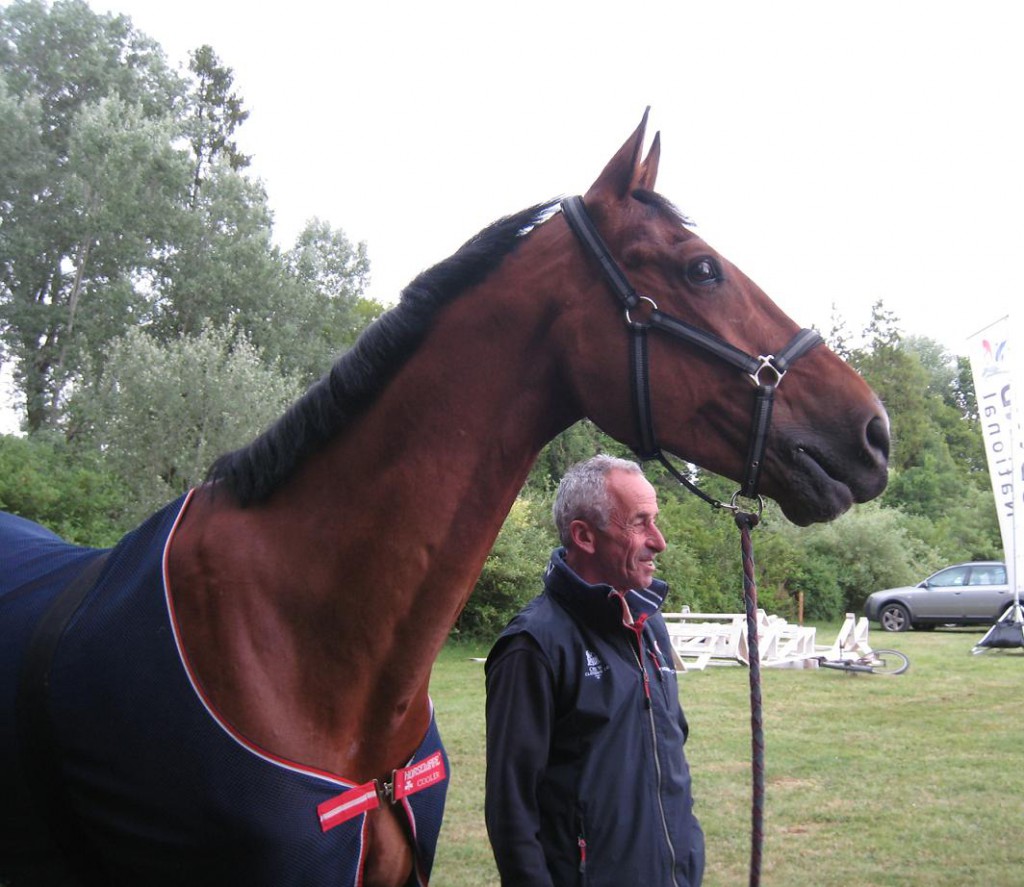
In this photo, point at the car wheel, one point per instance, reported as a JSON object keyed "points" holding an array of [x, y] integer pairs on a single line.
{"points": [[894, 617]]}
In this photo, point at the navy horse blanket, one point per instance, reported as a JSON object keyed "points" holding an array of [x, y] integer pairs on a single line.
{"points": [[161, 789]]}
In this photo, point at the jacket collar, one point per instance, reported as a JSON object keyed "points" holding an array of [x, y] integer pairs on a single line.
{"points": [[600, 602]]}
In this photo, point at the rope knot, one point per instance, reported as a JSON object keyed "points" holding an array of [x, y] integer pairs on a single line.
{"points": [[745, 520]]}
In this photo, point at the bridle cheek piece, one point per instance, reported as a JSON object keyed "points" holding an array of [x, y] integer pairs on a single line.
{"points": [[766, 371]]}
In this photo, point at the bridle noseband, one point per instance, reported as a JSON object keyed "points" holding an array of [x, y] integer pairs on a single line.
{"points": [[765, 371]]}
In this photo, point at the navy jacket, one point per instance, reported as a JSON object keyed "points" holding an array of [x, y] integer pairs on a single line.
{"points": [[587, 782]]}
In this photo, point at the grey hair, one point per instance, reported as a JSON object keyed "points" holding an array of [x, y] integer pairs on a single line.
{"points": [[583, 493]]}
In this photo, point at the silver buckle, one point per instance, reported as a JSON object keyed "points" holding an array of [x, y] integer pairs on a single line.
{"points": [[639, 323], [767, 363]]}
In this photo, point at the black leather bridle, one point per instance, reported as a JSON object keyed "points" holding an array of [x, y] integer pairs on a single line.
{"points": [[766, 371]]}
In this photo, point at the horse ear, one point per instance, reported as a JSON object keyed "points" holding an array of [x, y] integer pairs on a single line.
{"points": [[625, 172], [648, 172]]}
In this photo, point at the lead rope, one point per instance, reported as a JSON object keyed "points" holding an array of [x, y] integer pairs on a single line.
{"points": [[746, 522]]}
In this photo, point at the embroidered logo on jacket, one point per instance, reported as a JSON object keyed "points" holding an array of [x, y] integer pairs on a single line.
{"points": [[595, 667]]}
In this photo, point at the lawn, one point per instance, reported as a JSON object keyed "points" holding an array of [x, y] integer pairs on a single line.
{"points": [[871, 781]]}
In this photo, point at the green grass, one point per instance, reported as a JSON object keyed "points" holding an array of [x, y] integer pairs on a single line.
{"points": [[878, 781]]}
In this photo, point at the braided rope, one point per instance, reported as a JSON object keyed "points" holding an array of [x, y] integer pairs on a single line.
{"points": [[745, 522]]}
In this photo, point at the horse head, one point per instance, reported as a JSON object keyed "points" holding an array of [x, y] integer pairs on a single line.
{"points": [[826, 445]]}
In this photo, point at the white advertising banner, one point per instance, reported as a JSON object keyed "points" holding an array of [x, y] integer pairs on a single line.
{"points": [[995, 372]]}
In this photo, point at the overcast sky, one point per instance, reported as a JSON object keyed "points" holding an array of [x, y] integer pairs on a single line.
{"points": [[837, 153]]}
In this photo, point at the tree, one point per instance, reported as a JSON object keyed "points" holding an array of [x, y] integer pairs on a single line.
{"points": [[578, 442], [300, 309], [216, 113], [160, 412], [328, 311], [65, 56], [512, 573], [869, 548], [123, 203], [223, 266], [838, 336], [93, 188]]}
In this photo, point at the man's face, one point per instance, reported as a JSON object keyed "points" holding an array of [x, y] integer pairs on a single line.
{"points": [[624, 551]]}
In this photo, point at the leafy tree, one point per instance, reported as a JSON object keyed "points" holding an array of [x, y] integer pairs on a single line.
{"points": [[95, 94], [869, 548], [223, 266], [125, 186], [900, 381], [216, 114], [66, 57], [70, 294], [930, 400], [123, 203], [579, 442], [965, 398], [160, 412], [512, 573], [838, 336], [328, 310]]}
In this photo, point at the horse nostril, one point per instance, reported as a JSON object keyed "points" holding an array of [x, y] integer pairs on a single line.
{"points": [[878, 438]]}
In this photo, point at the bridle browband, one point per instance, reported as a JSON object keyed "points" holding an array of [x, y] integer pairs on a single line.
{"points": [[764, 371]]}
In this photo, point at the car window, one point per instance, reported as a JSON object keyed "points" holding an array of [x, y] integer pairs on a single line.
{"points": [[988, 575], [952, 576]]}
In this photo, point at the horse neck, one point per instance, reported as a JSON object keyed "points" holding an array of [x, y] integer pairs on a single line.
{"points": [[367, 556], [429, 473]]}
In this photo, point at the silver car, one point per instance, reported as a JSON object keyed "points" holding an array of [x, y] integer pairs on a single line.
{"points": [[967, 594]]}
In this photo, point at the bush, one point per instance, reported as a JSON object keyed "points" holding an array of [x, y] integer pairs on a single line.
{"points": [[44, 480], [511, 576], [869, 548]]}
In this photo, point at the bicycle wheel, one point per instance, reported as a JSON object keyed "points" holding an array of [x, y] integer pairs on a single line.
{"points": [[888, 662], [850, 666]]}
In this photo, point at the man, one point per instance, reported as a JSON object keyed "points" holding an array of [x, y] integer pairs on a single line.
{"points": [[587, 782]]}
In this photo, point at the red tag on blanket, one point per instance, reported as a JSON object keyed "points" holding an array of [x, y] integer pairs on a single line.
{"points": [[419, 776], [347, 805]]}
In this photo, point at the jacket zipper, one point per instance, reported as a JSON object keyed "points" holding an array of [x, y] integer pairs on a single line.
{"points": [[637, 657], [581, 844]]}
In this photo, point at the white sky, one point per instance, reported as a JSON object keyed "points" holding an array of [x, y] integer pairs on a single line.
{"points": [[836, 153]]}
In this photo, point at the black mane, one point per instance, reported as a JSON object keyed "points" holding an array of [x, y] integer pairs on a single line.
{"points": [[253, 472]]}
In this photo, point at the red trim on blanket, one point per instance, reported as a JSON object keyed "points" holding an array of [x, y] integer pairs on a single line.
{"points": [[337, 810], [269, 757]]}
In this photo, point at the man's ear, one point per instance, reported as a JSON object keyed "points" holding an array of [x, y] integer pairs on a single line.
{"points": [[583, 537]]}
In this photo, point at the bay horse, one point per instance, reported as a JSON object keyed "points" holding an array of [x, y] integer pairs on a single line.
{"points": [[242, 695]]}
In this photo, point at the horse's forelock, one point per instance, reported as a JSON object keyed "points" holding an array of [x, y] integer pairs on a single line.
{"points": [[663, 206]]}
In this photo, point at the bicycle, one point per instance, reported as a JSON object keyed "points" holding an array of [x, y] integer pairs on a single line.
{"points": [[881, 662]]}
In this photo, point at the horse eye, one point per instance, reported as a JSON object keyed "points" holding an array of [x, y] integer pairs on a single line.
{"points": [[703, 271]]}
